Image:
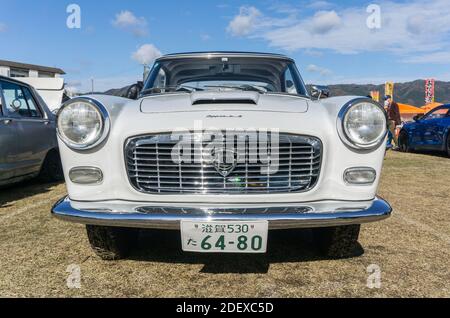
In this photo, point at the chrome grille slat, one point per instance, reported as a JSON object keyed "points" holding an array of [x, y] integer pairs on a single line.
{"points": [[157, 167], [151, 169], [307, 159], [254, 166], [213, 183], [261, 190], [168, 150], [260, 179]]}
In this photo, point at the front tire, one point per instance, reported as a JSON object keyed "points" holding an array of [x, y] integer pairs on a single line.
{"points": [[403, 141], [448, 144], [338, 242], [111, 243], [51, 170]]}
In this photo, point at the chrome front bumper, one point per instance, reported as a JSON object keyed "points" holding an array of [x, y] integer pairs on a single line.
{"points": [[280, 216]]}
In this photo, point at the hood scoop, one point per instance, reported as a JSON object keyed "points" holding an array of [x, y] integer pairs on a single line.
{"points": [[224, 98], [223, 101]]}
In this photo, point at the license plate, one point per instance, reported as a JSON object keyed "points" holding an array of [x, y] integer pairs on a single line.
{"points": [[224, 237]]}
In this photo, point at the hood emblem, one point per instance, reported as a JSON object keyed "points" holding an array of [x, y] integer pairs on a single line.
{"points": [[224, 116], [219, 161]]}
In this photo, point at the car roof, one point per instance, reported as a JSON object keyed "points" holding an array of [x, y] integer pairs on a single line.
{"points": [[215, 54], [10, 79], [440, 107]]}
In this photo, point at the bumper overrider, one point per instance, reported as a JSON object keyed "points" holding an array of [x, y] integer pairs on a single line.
{"points": [[280, 216]]}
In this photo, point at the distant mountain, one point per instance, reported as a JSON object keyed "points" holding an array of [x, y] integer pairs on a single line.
{"points": [[412, 93]]}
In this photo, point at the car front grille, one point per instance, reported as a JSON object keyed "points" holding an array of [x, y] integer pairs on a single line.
{"points": [[152, 169]]}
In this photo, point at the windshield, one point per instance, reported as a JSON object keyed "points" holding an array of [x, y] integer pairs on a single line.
{"points": [[263, 75]]}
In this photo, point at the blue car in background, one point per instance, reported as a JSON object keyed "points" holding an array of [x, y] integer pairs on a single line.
{"points": [[429, 132]]}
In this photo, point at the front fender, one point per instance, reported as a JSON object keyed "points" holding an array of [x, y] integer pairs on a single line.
{"points": [[113, 104]]}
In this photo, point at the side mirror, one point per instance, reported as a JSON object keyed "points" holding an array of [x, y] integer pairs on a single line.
{"points": [[418, 117], [320, 91]]}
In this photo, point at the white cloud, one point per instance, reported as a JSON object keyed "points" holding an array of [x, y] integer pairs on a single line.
{"points": [[72, 90], [325, 21], [317, 69], [146, 54], [127, 21], [408, 29], [2, 27], [415, 24], [245, 22], [315, 53], [250, 20], [285, 8], [319, 5], [434, 58]]}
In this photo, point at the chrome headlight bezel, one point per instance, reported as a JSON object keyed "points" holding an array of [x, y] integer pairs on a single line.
{"points": [[103, 132], [343, 131]]}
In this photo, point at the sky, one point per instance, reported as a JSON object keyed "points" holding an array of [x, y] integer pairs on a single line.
{"points": [[332, 42]]}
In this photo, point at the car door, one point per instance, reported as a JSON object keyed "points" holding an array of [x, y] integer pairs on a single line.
{"points": [[30, 123], [8, 144], [432, 132], [417, 133], [438, 130], [422, 132]]}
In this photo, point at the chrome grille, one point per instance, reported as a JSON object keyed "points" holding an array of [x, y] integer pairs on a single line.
{"points": [[151, 168]]}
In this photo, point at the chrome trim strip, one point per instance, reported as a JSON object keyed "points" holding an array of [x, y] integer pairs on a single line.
{"points": [[336, 214], [224, 54]]}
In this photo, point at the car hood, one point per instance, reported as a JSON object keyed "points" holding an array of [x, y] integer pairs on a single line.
{"points": [[224, 101]]}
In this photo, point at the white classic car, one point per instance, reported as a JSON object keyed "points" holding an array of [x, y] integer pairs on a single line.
{"points": [[223, 147]]}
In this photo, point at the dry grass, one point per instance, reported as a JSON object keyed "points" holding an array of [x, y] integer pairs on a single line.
{"points": [[412, 248]]}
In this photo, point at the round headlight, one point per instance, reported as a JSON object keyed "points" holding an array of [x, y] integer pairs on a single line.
{"points": [[83, 123], [364, 123]]}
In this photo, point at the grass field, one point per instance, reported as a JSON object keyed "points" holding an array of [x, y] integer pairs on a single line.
{"points": [[412, 249]]}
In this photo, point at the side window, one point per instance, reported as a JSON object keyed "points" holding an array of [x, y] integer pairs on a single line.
{"points": [[289, 82], [1, 100], [438, 113], [33, 109], [19, 101]]}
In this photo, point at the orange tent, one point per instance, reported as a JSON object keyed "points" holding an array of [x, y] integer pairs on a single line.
{"points": [[408, 112], [431, 106], [409, 109]]}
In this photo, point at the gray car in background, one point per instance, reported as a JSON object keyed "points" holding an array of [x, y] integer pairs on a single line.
{"points": [[28, 145]]}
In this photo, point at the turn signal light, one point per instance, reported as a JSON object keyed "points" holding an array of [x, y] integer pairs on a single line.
{"points": [[360, 176], [86, 175]]}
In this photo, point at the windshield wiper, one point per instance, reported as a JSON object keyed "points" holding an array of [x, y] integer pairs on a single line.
{"points": [[174, 88], [245, 87]]}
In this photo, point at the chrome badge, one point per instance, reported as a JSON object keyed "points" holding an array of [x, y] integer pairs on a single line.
{"points": [[221, 161]]}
